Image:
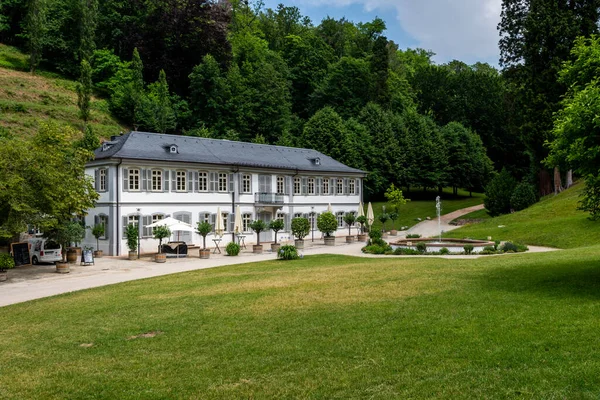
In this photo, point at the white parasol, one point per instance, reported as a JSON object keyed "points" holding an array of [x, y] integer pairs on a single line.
{"points": [[329, 207], [370, 215], [219, 226], [361, 209], [237, 224]]}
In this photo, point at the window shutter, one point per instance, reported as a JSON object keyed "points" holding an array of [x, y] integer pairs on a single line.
{"points": [[97, 180], [333, 186], [357, 187], [346, 188], [288, 184], [212, 182], [196, 181], [240, 183], [304, 186], [149, 180], [146, 220], [124, 227], [231, 183], [213, 220], [125, 179], [319, 183], [166, 180], [287, 222], [144, 181], [108, 181], [96, 220], [106, 228], [174, 181], [190, 181]]}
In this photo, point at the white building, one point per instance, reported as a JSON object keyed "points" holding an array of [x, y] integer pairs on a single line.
{"points": [[147, 176]]}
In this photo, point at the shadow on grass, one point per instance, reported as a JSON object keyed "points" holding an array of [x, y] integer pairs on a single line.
{"points": [[556, 279]]}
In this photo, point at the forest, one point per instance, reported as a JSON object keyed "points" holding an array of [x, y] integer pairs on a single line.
{"points": [[239, 71]]}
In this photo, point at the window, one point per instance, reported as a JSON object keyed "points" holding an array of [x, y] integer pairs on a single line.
{"points": [[311, 185], [297, 185], [340, 219], [134, 179], [312, 219], [340, 186], [298, 215], [102, 180], [246, 221], [223, 182], [282, 216], [133, 219], [203, 181], [103, 220], [204, 217], [325, 186], [280, 185], [156, 180], [181, 181], [157, 217], [246, 183], [351, 186]]}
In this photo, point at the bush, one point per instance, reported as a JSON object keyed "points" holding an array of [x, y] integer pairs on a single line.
{"points": [[288, 252], [523, 196], [131, 233], [413, 236], [509, 247], [232, 249], [258, 226], [496, 244], [521, 248], [498, 193], [373, 235], [468, 248], [300, 227], [376, 249], [327, 223], [375, 239], [421, 247], [444, 251], [6, 262], [488, 250]]}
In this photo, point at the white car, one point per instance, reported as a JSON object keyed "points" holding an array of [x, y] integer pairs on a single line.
{"points": [[44, 250]]}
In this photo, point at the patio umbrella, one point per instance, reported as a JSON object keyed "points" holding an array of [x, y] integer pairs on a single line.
{"points": [[361, 209], [237, 223], [329, 207], [173, 224], [219, 226], [370, 216]]}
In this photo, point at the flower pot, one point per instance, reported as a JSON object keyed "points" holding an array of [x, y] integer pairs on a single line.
{"points": [[384, 235], [299, 243], [329, 240], [3, 276], [62, 267], [204, 253], [160, 257], [393, 232], [349, 239], [257, 248], [275, 247], [361, 237], [71, 255], [133, 255], [98, 254]]}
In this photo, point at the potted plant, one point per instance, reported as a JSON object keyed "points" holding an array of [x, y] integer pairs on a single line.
{"points": [[6, 263], [258, 226], [161, 232], [393, 217], [349, 219], [203, 229], [75, 232], [131, 234], [383, 217], [327, 224], [276, 225], [66, 233], [232, 249], [98, 232], [300, 229], [362, 236]]}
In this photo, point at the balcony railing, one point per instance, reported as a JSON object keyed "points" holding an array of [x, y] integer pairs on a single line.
{"points": [[268, 198]]}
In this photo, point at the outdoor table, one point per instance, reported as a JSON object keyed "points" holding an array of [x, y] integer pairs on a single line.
{"points": [[242, 241], [217, 248]]}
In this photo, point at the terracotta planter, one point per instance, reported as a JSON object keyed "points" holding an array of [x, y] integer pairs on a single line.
{"points": [[362, 237], [160, 258], [133, 255], [71, 256], [257, 248], [204, 253], [393, 232], [329, 240], [62, 267], [275, 247], [98, 254], [3, 276], [349, 239], [299, 243]]}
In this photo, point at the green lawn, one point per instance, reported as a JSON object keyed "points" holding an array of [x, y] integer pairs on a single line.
{"points": [[422, 205], [516, 326], [554, 221]]}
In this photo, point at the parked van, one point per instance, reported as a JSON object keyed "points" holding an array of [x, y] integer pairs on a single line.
{"points": [[44, 250]]}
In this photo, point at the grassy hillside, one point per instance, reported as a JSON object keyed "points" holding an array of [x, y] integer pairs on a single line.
{"points": [[26, 99], [554, 221]]}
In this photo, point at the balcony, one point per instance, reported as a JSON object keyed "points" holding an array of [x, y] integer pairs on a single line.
{"points": [[268, 198]]}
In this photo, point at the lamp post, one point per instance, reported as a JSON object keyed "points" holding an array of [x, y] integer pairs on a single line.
{"points": [[312, 223], [139, 211]]}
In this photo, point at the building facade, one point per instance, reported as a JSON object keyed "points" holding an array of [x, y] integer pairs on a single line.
{"points": [[144, 177]]}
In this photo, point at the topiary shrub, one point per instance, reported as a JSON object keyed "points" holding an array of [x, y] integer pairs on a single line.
{"points": [[300, 227], [288, 252], [327, 223], [488, 250], [232, 249], [468, 248], [444, 251], [498, 193], [521, 248], [508, 247], [421, 247], [413, 236], [376, 249], [523, 196], [375, 239]]}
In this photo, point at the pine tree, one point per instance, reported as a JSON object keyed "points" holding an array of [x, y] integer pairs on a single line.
{"points": [[137, 86], [84, 92], [87, 28], [36, 31]]}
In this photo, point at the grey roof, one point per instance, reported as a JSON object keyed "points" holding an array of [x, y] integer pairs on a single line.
{"points": [[155, 147]]}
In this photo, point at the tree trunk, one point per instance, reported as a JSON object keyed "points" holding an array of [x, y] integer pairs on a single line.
{"points": [[557, 181], [569, 178]]}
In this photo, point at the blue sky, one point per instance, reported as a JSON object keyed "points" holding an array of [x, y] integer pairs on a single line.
{"points": [[453, 29]]}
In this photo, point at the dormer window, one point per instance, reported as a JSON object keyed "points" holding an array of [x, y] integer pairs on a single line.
{"points": [[317, 161], [173, 149], [105, 146]]}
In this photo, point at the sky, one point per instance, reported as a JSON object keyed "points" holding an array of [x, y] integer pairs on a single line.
{"points": [[462, 30]]}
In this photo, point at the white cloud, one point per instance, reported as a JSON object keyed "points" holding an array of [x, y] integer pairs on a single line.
{"points": [[453, 29]]}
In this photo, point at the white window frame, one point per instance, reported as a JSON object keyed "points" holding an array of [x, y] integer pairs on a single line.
{"points": [[133, 181], [340, 218], [180, 181], [102, 173], [311, 186], [280, 185], [297, 186], [246, 221], [325, 186], [103, 220], [133, 219], [246, 183], [156, 180], [202, 181], [223, 182], [339, 186], [351, 186]]}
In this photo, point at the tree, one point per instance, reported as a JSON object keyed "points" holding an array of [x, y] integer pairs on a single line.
{"points": [[156, 111], [161, 232], [498, 193], [276, 225], [349, 219], [98, 231], [137, 85], [327, 223], [395, 197], [88, 21], [89, 142], [84, 92], [258, 226], [324, 132], [36, 31]]}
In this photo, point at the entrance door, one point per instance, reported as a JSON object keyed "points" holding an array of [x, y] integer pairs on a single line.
{"points": [[267, 235], [183, 236]]}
